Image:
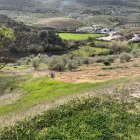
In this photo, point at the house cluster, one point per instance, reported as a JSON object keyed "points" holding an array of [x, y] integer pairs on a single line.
{"points": [[95, 29], [112, 34]]}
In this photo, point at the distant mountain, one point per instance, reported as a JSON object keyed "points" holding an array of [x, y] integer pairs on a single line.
{"points": [[110, 12], [56, 4]]}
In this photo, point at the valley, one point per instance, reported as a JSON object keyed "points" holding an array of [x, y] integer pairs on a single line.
{"points": [[69, 70]]}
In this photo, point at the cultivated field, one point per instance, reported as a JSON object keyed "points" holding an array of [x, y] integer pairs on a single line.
{"points": [[78, 36], [59, 23]]}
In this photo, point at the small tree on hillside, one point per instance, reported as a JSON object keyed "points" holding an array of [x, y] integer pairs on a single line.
{"points": [[5, 33]]}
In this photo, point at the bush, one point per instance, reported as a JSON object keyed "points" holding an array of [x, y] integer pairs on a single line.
{"points": [[35, 63], [125, 57], [99, 59], [87, 60], [119, 46], [136, 52], [102, 59], [91, 44], [107, 62], [72, 65], [111, 58], [57, 63], [101, 44]]}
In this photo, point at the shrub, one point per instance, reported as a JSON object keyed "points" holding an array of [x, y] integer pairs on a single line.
{"points": [[56, 63], [101, 44], [90, 39], [99, 59], [111, 58], [91, 44], [72, 65], [136, 52], [107, 62], [119, 46], [35, 63], [125, 57], [24, 61], [87, 60]]}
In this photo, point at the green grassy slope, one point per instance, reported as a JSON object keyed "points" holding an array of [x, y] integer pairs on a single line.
{"points": [[95, 118], [37, 91]]}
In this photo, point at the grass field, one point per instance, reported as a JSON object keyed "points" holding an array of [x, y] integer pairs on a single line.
{"points": [[37, 91], [78, 36], [87, 51]]}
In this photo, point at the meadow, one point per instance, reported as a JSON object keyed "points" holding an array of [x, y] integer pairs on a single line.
{"points": [[36, 90], [87, 51], [78, 36]]}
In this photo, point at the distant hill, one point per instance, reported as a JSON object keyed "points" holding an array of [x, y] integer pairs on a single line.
{"points": [[106, 12], [55, 4], [59, 23]]}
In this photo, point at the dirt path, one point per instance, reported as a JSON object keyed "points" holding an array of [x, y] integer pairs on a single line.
{"points": [[88, 73]]}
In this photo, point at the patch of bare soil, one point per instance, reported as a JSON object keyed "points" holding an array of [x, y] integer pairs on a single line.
{"points": [[96, 72], [59, 23]]}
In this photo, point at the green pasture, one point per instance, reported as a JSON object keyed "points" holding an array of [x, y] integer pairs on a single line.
{"points": [[78, 36], [87, 51], [37, 90]]}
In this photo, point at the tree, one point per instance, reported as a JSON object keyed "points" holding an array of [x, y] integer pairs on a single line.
{"points": [[5, 33]]}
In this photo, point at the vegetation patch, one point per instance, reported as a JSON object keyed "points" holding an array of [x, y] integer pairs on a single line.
{"points": [[114, 67], [39, 90], [93, 118], [87, 51]]}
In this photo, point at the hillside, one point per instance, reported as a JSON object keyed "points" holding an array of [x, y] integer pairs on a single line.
{"points": [[101, 12], [30, 40], [69, 69], [59, 23], [32, 5]]}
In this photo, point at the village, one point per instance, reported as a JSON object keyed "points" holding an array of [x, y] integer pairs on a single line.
{"points": [[111, 34]]}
